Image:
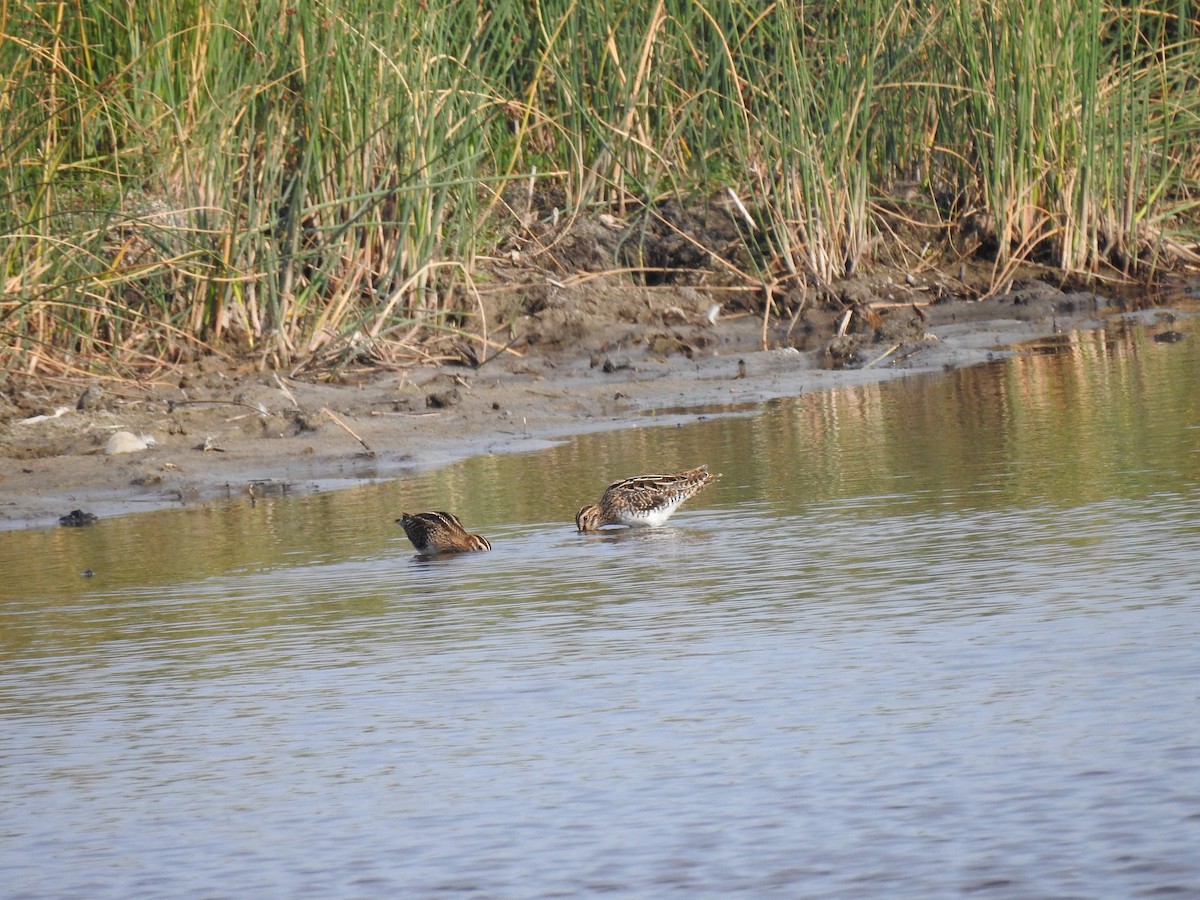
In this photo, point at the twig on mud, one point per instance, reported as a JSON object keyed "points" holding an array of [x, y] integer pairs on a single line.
{"points": [[844, 323], [172, 405], [553, 395], [347, 429], [375, 413], [286, 391], [585, 277], [505, 349], [886, 353], [915, 304]]}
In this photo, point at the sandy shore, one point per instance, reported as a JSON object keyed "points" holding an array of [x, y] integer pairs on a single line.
{"points": [[218, 431]]}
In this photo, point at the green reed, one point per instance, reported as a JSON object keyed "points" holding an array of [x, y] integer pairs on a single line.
{"points": [[312, 183]]}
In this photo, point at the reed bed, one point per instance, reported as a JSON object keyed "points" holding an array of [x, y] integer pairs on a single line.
{"points": [[316, 182]]}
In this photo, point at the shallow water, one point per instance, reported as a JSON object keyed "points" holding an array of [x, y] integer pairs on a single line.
{"points": [[923, 639]]}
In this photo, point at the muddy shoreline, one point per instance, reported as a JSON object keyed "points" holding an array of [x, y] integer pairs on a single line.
{"points": [[219, 431]]}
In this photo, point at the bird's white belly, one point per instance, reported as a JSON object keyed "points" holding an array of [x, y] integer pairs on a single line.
{"points": [[650, 518]]}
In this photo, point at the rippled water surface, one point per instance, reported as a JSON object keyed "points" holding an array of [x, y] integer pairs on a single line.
{"points": [[925, 639]]}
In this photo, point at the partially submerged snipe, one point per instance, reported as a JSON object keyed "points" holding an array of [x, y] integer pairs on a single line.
{"points": [[645, 500], [435, 533]]}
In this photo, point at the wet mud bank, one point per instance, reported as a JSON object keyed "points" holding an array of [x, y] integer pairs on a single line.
{"points": [[577, 361]]}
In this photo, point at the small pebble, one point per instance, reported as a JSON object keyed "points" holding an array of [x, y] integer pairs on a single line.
{"points": [[127, 442]]}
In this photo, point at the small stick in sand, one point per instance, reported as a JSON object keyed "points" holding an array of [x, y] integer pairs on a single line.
{"points": [[286, 391], [347, 429], [845, 322], [890, 350]]}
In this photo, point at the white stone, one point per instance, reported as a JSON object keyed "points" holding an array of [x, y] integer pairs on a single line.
{"points": [[127, 442]]}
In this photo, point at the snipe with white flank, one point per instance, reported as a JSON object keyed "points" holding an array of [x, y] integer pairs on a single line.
{"points": [[646, 500], [436, 533]]}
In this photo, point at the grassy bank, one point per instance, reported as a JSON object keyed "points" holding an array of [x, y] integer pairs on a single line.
{"points": [[316, 181]]}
